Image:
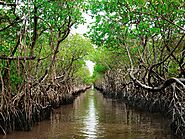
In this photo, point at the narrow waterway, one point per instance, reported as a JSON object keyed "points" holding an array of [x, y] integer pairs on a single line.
{"points": [[92, 117]]}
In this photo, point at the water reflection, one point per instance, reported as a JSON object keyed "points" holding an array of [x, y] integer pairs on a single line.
{"points": [[92, 116], [90, 120]]}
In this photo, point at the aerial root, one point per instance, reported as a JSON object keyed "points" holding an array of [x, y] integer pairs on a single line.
{"points": [[168, 101], [24, 111]]}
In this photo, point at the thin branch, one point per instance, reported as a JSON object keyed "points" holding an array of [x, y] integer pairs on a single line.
{"points": [[11, 24], [7, 4], [18, 58], [180, 81]]}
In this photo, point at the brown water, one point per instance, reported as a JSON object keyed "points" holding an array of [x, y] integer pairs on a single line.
{"points": [[93, 117]]}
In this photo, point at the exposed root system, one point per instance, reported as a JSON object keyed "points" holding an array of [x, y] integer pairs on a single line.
{"points": [[26, 109], [169, 101]]}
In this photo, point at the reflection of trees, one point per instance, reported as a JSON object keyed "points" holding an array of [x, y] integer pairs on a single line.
{"points": [[35, 73], [143, 48]]}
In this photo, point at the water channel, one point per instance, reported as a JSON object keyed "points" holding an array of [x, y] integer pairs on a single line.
{"points": [[92, 116]]}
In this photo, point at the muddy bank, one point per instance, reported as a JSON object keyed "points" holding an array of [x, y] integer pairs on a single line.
{"points": [[25, 110], [162, 102]]}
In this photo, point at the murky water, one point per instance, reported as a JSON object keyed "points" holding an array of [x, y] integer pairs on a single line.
{"points": [[93, 117]]}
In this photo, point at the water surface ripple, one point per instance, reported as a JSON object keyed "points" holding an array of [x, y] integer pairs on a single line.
{"points": [[92, 116]]}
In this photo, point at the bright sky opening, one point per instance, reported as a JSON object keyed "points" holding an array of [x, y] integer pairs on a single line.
{"points": [[83, 28]]}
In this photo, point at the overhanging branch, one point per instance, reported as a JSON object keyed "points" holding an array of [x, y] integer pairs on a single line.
{"points": [[168, 82], [18, 58]]}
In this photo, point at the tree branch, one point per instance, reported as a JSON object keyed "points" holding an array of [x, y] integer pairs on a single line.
{"points": [[180, 81], [18, 58], [7, 4]]}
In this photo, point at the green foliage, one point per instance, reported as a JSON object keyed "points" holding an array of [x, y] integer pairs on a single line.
{"points": [[149, 29], [73, 53], [98, 72], [76, 46], [100, 68], [52, 17], [137, 17], [83, 74], [42, 27], [38, 29]]}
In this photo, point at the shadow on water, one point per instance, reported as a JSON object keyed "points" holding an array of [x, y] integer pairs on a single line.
{"points": [[92, 117]]}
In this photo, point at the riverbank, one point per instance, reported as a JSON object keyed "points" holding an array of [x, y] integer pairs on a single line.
{"points": [[93, 116], [25, 110], [153, 102]]}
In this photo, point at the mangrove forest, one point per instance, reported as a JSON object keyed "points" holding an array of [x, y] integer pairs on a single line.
{"points": [[137, 47]]}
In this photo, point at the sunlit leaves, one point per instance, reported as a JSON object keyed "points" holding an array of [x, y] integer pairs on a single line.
{"points": [[146, 27], [142, 17], [72, 56]]}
